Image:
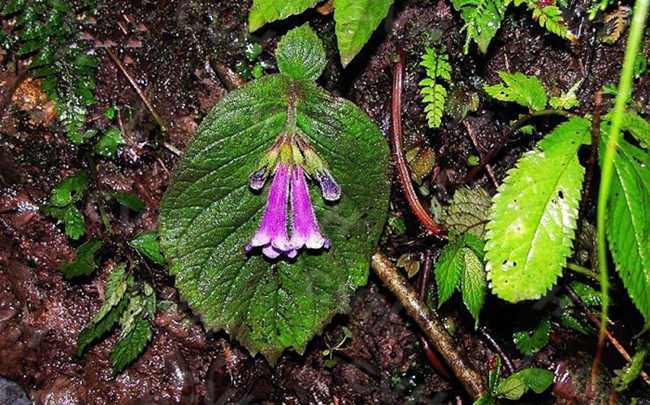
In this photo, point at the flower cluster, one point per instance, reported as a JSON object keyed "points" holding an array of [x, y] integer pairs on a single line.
{"points": [[289, 161]]}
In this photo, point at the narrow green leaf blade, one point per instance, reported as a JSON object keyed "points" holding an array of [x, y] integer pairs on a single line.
{"points": [[130, 346], [356, 20], [84, 262], [533, 216], [473, 284], [266, 11], [628, 224]]}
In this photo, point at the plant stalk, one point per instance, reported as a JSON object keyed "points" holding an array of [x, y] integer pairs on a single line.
{"points": [[624, 92]]}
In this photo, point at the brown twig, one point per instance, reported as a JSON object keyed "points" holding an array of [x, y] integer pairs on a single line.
{"points": [[430, 324], [472, 136], [231, 79], [137, 89], [507, 133], [593, 152], [423, 284], [612, 339], [398, 155], [497, 348]]}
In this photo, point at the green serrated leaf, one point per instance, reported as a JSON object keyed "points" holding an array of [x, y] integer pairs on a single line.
{"points": [[300, 54], [527, 91], [208, 215], [147, 245], [131, 345], [468, 211], [110, 312], [75, 225], [531, 342], [550, 17], [628, 223], [129, 200], [482, 20], [84, 262], [109, 142], [356, 20], [449, 270], [533, 216], [266, 11], [70, 190], [473, 284], [516, 385], [628, 374], [638, 127]]}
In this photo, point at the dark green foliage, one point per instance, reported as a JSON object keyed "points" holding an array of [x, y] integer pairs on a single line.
{"points": [[47, 31], [109, 142], [129, 200], [131, 345], [84, 263], [147, 245], [61, 204], [530, 342]]}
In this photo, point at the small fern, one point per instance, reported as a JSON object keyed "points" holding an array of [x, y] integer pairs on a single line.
{"points": [[46, 32], [549, 17], [434, 94]]}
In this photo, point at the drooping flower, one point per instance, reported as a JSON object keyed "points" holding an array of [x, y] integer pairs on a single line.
{"points": [[305, 231], [271, 235], [290, 160]]}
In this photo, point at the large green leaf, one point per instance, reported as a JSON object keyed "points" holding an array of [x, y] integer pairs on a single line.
{"points": [[628, 223], [266, 11], [208, 214], [519, 88], [356, 20], [533, 216]]}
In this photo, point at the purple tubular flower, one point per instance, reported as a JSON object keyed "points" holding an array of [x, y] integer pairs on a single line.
{"points": [[304, 230], [272, 232], [329, 187]]}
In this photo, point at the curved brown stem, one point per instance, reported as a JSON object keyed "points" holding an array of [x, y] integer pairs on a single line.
{"points": [[398, 155], [430, 324], [487, 158]]}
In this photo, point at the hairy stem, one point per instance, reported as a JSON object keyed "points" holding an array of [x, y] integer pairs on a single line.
{"points": [[430, 324], [624, 92], [398, 155]]}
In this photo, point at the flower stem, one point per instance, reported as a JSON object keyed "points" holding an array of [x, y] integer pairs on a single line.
{"points": [[624, 92], [582, 270]]}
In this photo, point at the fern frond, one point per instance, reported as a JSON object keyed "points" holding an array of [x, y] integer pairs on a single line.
{"points": [[616, 22], [46, 31], [550, 18], [434, 94]]}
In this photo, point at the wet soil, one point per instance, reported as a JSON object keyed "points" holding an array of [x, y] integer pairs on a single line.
{"points": [[172, 49]]}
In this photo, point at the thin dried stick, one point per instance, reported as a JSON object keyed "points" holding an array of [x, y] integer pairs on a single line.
{"points": [[593, 152], [612, 339], [498, 349], [472, 136], [398, 155], [137, 89], [423, 284], [430, 324]]}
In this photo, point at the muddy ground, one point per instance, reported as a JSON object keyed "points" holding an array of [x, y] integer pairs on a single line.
{"points": [[172, 48]]}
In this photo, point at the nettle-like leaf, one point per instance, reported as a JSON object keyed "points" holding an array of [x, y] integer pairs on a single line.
{"points": [[628, 222], [209, 213], [567, 100], [533, 216], [266, 11], [527, 91], [468, 211], [460, 266], [84, 262], [482, 20], [147, 244], [434, 94], [628, 374], [356, 20]]}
